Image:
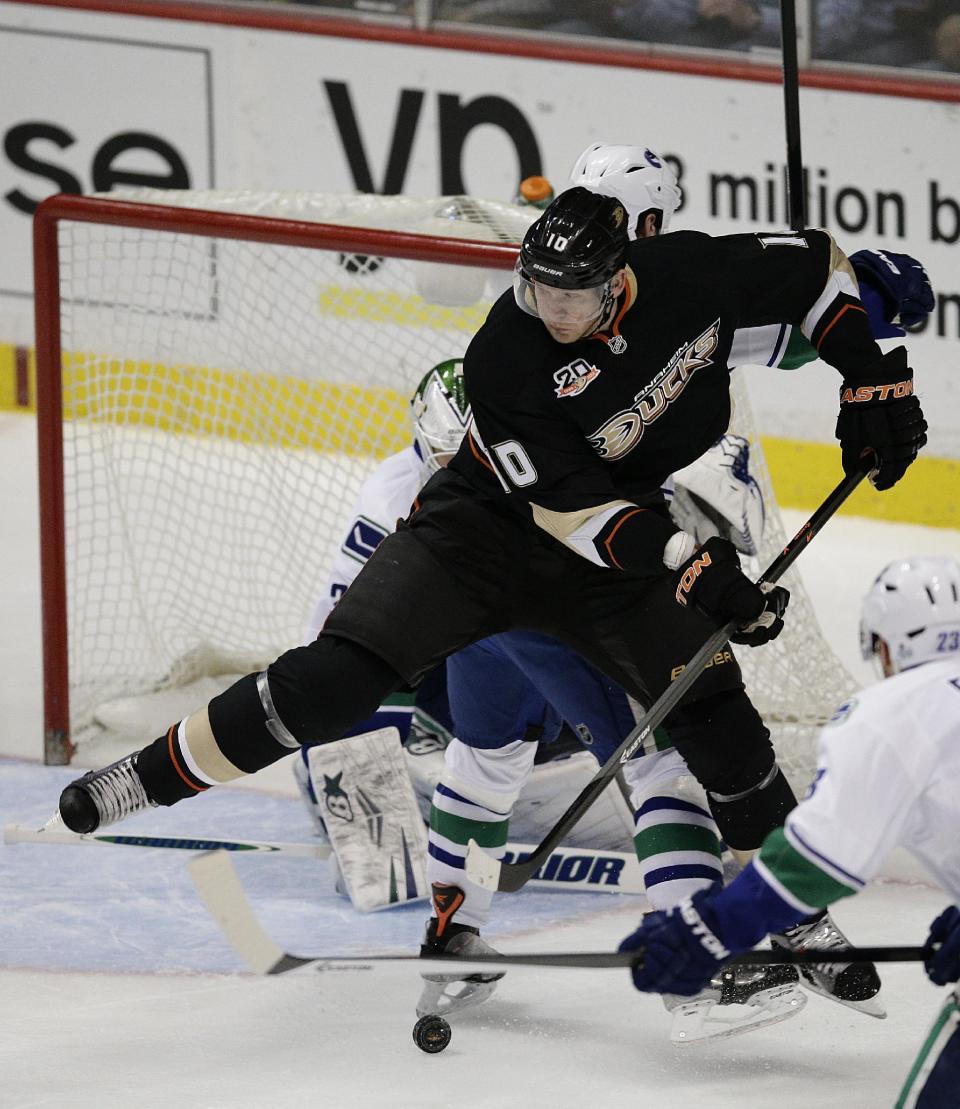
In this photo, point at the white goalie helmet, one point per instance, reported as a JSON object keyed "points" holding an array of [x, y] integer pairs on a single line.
{"points": [[914, 607], [441, 413], [637, 176]]}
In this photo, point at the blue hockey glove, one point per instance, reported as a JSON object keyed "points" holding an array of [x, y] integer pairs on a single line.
{"points": [[680, 948], [943, 965], [902, 285]]}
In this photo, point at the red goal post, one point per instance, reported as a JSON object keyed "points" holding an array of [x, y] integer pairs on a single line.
{"points": [[215, 379], [48, 282]]}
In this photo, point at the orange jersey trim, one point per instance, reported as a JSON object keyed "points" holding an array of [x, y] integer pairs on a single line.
{"points": [[475, 451], [836, 320], [606, 543], [176, 763]]}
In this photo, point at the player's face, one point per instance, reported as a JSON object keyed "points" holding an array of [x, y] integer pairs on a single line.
{"points": [[569, 314], [572, 314]]}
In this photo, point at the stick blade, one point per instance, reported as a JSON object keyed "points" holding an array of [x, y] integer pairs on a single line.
{"points": [[482, 869], [220, 890]]}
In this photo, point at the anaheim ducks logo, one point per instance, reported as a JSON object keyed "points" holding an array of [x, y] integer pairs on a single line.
{"points": [[621, 433], [573, 379]]}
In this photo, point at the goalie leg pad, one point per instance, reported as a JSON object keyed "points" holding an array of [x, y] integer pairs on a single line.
{"points": [[371, 816]]}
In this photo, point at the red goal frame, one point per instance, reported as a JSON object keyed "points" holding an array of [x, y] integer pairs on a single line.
{"points": [[58, 747]]}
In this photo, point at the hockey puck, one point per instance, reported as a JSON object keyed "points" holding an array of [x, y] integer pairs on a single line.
{"points": [[431, 1034]]}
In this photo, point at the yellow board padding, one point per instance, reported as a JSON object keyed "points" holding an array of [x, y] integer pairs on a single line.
{"points": [[401, 309], [8, 377], [244, 406], [8, 380], [237, 405], [803, 473]]}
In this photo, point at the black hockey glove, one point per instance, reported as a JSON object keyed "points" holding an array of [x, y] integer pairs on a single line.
{"points": [[879, 413], [714, 584]]}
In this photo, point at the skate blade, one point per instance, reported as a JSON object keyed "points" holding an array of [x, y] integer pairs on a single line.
{"points": [[436, 998], [696, 1021], [871, 1007]]}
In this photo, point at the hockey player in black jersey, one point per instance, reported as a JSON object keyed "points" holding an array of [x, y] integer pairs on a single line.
{"points": [[604, 372]]}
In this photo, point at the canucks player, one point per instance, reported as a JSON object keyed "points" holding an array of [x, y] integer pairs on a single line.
{"points": [[887, 776]]}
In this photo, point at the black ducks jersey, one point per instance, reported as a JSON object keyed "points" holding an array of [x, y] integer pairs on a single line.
{"points": [[579, 437]]}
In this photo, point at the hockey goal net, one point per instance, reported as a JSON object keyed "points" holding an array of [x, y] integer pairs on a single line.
{"points": [[217, 374]]}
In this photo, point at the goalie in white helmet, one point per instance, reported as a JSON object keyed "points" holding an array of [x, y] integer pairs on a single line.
{"points": [[888, 776]]}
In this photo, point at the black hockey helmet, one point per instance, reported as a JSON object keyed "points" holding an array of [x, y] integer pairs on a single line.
{"points": [[579, 242]]}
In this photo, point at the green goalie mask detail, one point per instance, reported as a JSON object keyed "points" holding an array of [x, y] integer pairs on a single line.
{"points": [[441, 413]]}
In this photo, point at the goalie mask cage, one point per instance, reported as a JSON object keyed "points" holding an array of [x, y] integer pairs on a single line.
{"points": [[217, 373]]}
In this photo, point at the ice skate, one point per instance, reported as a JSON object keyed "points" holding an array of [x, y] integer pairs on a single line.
{"points": [[738, 999], [102, 797], [444, 994], [856, 985]]}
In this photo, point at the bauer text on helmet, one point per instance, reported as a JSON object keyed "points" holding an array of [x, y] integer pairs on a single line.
{"points": [[913, 608], [570, 269], [638, 177]]}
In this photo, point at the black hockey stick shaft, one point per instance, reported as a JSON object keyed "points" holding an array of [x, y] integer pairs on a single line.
{"points": [[512, 876], [599, 960], [219, 887], [796, 193]]}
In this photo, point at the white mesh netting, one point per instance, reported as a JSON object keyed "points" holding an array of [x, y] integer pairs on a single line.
{"points": [[223, 401]]}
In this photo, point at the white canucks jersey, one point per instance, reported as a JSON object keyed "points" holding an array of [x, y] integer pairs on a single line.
{"points": [[385, 497], [888, 776]]}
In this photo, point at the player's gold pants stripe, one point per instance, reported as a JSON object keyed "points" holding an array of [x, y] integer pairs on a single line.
{"points": [[209, 759]]}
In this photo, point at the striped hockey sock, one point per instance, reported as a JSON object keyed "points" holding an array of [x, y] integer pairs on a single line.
{"points": [[454, 821], [678, 846]]}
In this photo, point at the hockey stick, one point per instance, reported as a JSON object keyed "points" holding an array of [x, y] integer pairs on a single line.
{"points": [[796, 199], [573, 869], [490, 873], [20, 833], [220, 889]]}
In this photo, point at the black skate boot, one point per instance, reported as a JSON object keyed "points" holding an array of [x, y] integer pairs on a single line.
{"points": [[738, 999], [856, 985], [447, 993], [103, 797]]}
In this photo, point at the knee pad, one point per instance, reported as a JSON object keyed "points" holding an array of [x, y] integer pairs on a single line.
{"points": [[315, 693], [728, 748], [723, 742]]}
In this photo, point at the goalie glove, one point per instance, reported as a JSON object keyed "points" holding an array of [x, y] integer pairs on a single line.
{"points": [[879, 413], [680, 950], [718, 495], [712, 581], [901, 287]]}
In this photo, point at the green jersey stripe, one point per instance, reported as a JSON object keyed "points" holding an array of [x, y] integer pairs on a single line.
{"points": [[459, 829], [801, 878]]}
